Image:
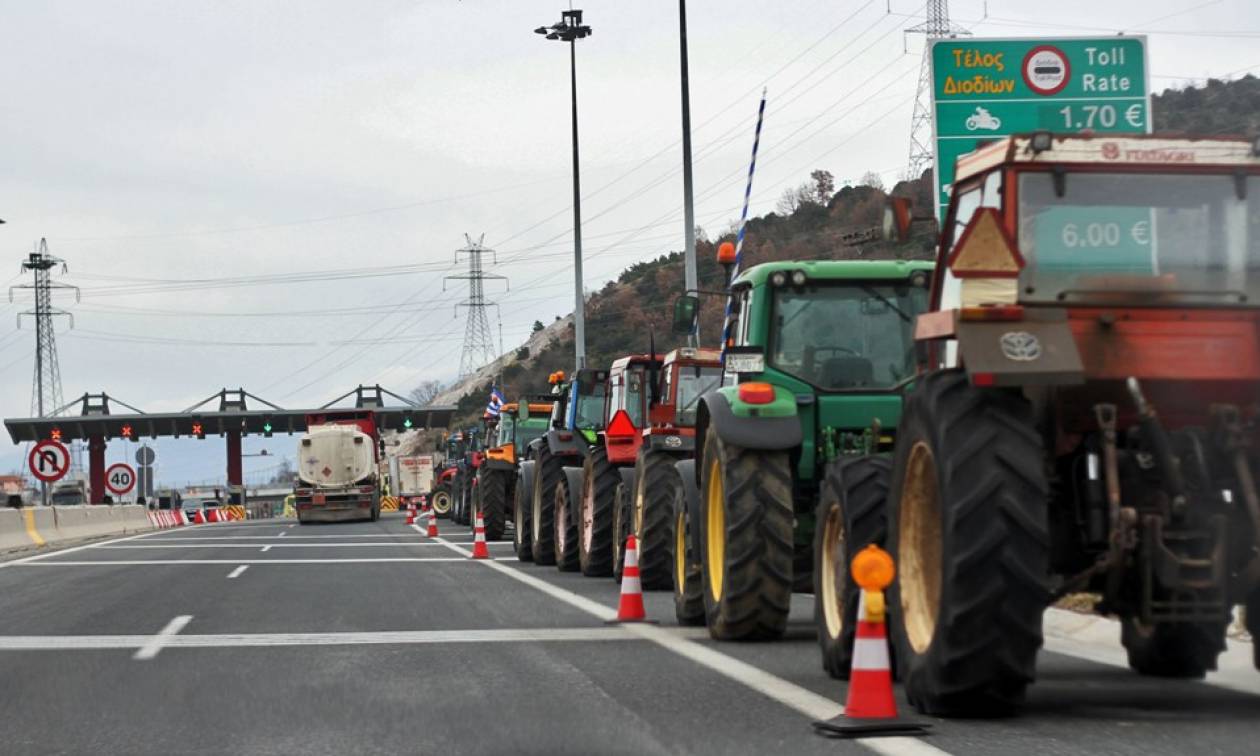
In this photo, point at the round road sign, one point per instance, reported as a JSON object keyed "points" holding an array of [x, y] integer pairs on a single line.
{"points": [[49, 461], [145, 456], [120, 478], [1046, 70]]}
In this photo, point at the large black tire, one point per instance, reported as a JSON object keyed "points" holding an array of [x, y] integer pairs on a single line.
{"points": [[967, 523], [745, 540], [655, 483], [688, 578], [459, 502], [521, 510], [1186, 650], [493, 492], [850, 517], [623, 519], [440, 500], [547, 472], [595, 517], [1251, 619], [566, 537]]}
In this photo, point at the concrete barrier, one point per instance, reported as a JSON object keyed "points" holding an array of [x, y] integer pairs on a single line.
{"points": [[134, 518], [31, 527], [84, 521], [26, 527], [13, 530]]}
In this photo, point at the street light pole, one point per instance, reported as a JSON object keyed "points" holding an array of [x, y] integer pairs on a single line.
{"points": [[690, 275], [571, 29]]}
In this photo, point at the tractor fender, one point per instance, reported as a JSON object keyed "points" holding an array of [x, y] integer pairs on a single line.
{"points": [[574, 446], [1038, 351], [690, 499], [498, 464], [573, 481], [779, 433]]}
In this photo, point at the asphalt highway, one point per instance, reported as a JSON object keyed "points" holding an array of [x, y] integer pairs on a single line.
{"points": [[269, 638]]}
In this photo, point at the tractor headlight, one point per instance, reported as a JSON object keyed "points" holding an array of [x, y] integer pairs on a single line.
{"points": [[778, 278], [798, 278]]}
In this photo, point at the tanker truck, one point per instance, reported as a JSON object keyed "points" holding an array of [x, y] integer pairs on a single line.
{"points": [[337, 469]]}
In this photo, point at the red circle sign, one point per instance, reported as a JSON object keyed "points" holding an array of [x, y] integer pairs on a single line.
{"points": [[1046, 70], [49, 461], [120, 478]]}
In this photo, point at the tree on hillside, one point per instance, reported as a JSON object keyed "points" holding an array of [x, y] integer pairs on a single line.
{"points": [[873, 180], [425, 393], [538, 326], [824, 186], [793, 198]]}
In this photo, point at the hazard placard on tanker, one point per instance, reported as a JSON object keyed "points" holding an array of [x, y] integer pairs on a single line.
{"points": [[988, 88]]}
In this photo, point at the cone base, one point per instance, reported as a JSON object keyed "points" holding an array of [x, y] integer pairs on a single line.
{"points": [[847, 727]]}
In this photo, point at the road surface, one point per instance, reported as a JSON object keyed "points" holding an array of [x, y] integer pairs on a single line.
{"points": [[266, 637]]}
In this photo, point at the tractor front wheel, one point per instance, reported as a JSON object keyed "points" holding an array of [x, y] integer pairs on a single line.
{"points": [[566, 538], [746, 540], [688, 576], [850, 517], [967, 522], [440, 500], [1182, 649], [493, 494], [595, 516], [521, 529], [547, 472]]}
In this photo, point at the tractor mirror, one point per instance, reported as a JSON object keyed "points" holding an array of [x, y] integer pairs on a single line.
{"points": [[897, 217], [686, 308]]}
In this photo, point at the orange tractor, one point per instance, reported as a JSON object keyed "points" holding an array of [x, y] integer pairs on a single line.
{"points": [[1085, 419]]}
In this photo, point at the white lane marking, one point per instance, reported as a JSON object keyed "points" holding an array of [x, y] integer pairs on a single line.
{"points": [[235, 640], [283, 533], [72, 549], [353, 560], [289, 539], [151, 647], [365, 545], [292, 524], [237, 572], [789, 694], [265, 549]]}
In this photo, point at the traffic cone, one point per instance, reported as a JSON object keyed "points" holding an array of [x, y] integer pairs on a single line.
{"points": [[630, 606], [199, 518], [432, 532], [870, 708], [411, 513], [479, 539]]}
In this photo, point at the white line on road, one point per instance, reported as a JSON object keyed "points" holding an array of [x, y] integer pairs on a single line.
{"points": [[364, 545], [265, 549], [283, 533], [787, 693], [354, 560], [151, 648], [237, 572], [400, 637]]}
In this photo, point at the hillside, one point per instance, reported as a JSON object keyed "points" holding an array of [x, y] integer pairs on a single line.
{"points": [[623, 315]]}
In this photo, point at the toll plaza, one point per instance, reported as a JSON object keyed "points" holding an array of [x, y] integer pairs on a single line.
{"points": [[230, 414]]}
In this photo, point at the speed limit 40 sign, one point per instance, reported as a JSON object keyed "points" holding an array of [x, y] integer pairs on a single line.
{"points": [[120, 478]]}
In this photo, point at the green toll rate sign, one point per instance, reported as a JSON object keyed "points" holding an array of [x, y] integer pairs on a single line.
{"points": [[988, 88]]}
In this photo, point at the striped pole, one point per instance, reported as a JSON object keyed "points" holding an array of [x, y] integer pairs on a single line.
{"points": [[743, 222]]}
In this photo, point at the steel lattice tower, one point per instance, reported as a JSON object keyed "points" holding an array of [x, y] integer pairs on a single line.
{"points": [[46, 386], [936, 26], [479, 348]]}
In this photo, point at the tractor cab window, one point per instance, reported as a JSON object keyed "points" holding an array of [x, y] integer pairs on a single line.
{"points": [[693, 383], [853, 335], [636, 387], [507, 429], [590, 408], [1140, 238]]}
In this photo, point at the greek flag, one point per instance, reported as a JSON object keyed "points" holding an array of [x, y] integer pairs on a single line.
{"points": [[496, 402]]}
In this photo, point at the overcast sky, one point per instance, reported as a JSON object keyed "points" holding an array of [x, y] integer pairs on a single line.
{"points": [[163, 146]]}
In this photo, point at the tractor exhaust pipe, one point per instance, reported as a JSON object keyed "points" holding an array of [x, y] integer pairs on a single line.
{"points": [[1161, 448]]}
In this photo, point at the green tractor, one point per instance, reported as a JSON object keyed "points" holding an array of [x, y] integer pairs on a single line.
{"points": [[520, 423], [818, 358]]}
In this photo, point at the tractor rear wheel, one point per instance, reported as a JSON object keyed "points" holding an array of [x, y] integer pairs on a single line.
{"points": [[622, 520], [459, 494], [521, 529], [745, 540], [595, 517], [440, 500], [1179, 649], [688, 577], [547, 472], [566, 538], [850, 517], [967, 523], [493, 494], [655, 481]]}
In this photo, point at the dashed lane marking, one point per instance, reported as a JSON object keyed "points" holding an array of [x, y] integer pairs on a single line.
{"points": [[155, 643], [787, 693], [265, 549], [237, 572], [366, 545]]}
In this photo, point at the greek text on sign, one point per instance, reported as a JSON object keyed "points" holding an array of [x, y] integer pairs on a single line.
{"points": [[49, 461]]}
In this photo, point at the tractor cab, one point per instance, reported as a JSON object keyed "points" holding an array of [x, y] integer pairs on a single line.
{"points": [[626, 404], [686, 375]]}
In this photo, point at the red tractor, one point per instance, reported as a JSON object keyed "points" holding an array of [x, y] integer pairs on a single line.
{"points": [[1085, 418]]}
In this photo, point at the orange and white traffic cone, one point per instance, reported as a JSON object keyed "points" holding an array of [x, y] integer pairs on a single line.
{"points": [[432, 532], [479, 539], [870, 708], [411, 513], [630, 606]]}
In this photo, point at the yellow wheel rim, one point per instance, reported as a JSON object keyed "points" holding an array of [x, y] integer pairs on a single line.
{"points": [[834, 551], [680, 551], [919, 548], [716, 530]]}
